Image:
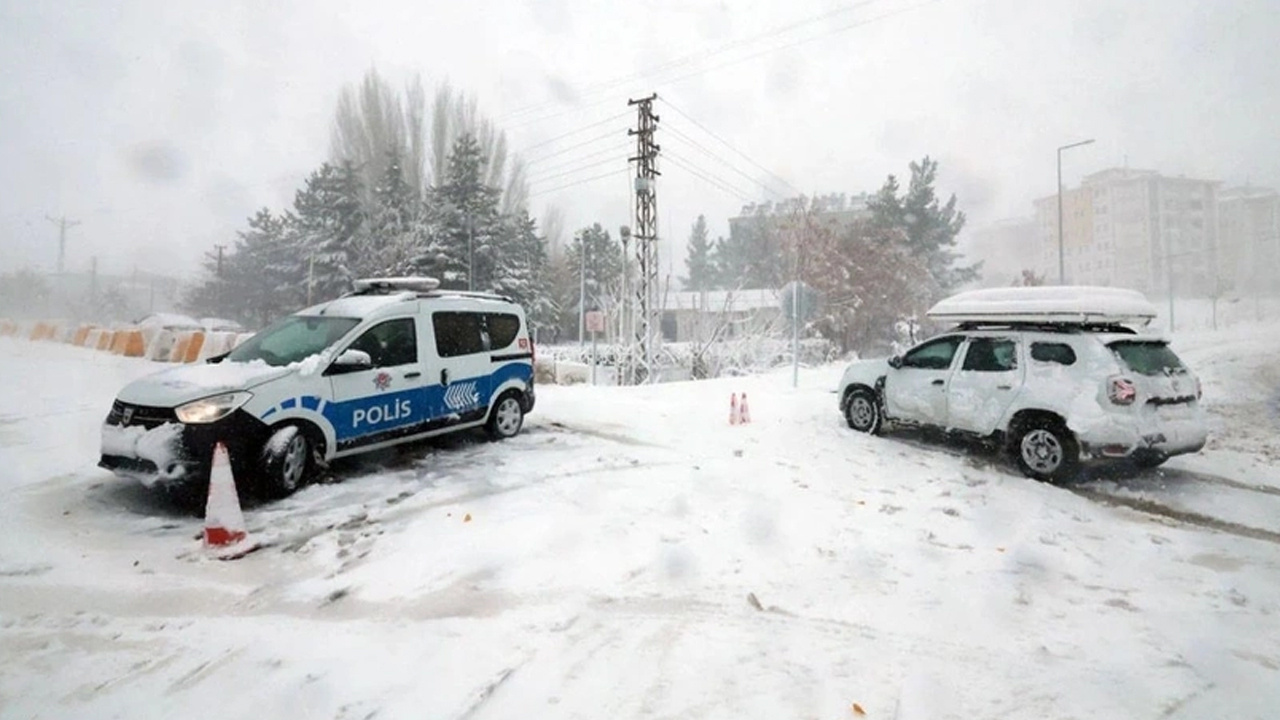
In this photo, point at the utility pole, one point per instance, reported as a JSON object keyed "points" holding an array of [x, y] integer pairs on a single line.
{"points": [[63, 225], [646, 233], [217, 285], [93, 281], [582, 291], [471, 254], [624, 321], [1062, 273]]}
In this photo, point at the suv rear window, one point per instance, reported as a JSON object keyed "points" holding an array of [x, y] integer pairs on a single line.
{"points": [[1147, 357]]}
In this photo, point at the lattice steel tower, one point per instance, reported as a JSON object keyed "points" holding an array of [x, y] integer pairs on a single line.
{"points": [[648, 323]]}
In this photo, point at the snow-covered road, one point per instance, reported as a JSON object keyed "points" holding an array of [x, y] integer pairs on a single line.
{"points": [[633, 555]]}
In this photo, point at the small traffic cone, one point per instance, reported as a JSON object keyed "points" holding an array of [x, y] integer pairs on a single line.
{"points": [[223, 521], [733, 409], [744, 412]]}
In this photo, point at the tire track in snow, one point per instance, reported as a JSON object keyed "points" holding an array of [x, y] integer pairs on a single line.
{"points": [[1152, 507], [1090, 490]]}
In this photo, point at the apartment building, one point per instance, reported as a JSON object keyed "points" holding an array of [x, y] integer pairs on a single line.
{"points": [[1133, 228], [1249, 239]]}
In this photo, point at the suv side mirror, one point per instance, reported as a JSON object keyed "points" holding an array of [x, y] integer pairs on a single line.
{"points": [[895, 362], [350, 361]]}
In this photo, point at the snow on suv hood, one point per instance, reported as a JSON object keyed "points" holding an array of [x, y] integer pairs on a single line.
{"points": [[184, 383]]}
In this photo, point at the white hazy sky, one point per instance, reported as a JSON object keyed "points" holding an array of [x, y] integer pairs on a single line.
{"points": [[161, 126]]}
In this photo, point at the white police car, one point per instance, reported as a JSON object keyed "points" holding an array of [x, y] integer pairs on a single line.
{"points": [[396, 360]]}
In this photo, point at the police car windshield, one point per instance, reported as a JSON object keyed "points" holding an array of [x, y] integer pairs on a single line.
{"points": [[293, 339]]}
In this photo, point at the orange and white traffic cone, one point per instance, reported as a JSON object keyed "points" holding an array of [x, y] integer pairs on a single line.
{"points": [[733, 409], [223, 521], [744, 412]]}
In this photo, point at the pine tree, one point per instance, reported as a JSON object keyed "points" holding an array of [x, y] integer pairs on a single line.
{"points": [[698, 263], [470, 225], [397, 231], [923, 225], [330, 225], [523, 272]]}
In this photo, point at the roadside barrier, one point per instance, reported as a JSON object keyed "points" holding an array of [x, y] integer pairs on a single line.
{"points": [[178, 346], [194, 347]]}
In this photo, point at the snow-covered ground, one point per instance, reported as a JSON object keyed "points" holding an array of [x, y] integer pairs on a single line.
{"points": [[633, 555]]}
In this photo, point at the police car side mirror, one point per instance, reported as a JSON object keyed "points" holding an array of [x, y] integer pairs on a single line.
{"points": [[350, 361], [895, 362]]}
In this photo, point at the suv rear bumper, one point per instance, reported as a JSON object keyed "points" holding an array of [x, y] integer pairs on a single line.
{"points": [[1162, 437]]}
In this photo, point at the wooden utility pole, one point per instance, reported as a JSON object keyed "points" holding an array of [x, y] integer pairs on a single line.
{"points": [[63, 226], [646, 232]]}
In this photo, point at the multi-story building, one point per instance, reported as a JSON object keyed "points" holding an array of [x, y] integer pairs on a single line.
{"points": [[1133, 228], [1249, 239]]}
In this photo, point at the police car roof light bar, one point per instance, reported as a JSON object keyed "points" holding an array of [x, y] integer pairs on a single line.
{"points": [[411, 284]]}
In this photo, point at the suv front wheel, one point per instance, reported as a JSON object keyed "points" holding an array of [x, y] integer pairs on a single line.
{"points": [[862, 411], [1046, 450]]}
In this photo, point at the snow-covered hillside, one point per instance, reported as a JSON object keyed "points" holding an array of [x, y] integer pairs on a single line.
{"points": [[633, 555]]}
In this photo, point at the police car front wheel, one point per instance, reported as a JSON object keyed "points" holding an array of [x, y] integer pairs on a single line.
{"points": [[506, 418], [287, 461]]}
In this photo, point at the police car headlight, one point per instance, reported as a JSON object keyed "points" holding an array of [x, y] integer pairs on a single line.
{"points": [[211, 409]]}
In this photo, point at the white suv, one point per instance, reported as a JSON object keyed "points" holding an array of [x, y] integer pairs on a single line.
{"points": [[1058, 374], [394, 361]]}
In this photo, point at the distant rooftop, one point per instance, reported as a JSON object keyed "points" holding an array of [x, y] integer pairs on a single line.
{"points": [[1245, 192], [1124, 173]]}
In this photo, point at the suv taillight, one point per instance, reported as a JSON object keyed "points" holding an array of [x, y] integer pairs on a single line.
{"points": [[1199, 389], [1122, 391]]}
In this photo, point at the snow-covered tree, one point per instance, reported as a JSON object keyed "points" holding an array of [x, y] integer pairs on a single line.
{"points": [[923, 225], [330, 225], [698, 263], [470, 224]]}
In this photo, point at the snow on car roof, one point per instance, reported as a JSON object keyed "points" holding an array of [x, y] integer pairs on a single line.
{"points": [[361, 306], [357, 306], [1070, 304]]}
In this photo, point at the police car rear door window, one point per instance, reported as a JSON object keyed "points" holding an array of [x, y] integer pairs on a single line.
{"points": [[459, 333]]}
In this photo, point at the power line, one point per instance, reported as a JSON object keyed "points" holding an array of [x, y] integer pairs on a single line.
{"points": [[574, 171], [658, 78], [571, 133], [711, 179], [562, 151], [611, 173], [697, 146], [705, 54], [554, 167], [850, 26], [731, 147]]}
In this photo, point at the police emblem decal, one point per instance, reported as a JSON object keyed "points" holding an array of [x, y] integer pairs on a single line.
{"points": [[382, 381]]}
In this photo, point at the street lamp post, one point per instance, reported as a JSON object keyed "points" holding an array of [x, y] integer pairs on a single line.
{"points": [[1062, 272]]}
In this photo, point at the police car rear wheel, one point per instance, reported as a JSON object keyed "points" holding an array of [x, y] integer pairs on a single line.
{"points": [[287, 462], [507, 418]]}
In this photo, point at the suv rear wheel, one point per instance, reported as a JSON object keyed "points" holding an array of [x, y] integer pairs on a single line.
{"points": [[1046, 450]]}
